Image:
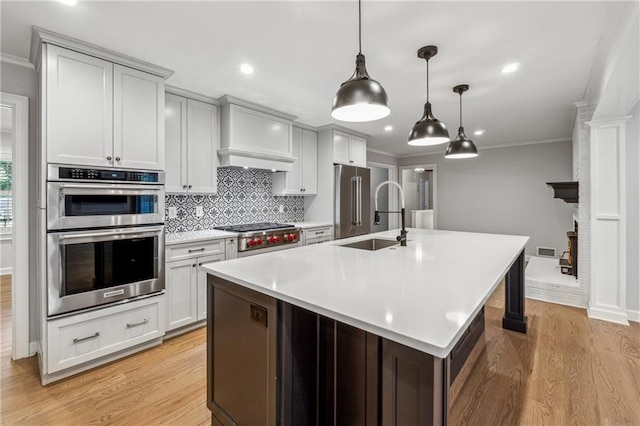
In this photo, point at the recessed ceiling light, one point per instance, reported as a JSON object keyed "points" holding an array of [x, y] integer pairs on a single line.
{"points": [[479, 132], [69, 2], [388, 128], [246, 69], [509, 68]]}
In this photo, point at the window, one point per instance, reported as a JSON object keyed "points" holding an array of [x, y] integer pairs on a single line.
{"points": [[6, 203]]}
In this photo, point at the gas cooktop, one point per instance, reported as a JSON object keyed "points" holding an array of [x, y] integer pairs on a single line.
{"points": [[253, 227]]}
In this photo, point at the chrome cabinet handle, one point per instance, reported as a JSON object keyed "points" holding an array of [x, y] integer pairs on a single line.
{"points": [[135, 324], [109, 157], [319, 232], [117, 158], [82, 339], [184, 186], [193, 266], [196, 250], [200, 264], [190, 186]]}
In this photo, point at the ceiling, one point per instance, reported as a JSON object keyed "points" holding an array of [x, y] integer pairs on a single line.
{"points": [[303, 50]]}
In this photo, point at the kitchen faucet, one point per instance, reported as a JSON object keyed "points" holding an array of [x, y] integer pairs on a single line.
{"points": [[376, 216]]}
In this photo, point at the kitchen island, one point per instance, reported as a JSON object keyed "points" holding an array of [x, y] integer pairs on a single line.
{"points": [[363, 337]]}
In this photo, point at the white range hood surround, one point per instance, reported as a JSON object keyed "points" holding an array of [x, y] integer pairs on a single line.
{"points": [[254, 136]]}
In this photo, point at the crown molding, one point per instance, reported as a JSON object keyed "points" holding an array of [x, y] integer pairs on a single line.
{"points": [[41, 35], [189, 94], [334, 126], [376, 151], [305, 126], [232, 100], [16, 60]]}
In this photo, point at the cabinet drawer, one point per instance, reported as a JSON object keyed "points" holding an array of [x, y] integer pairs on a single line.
{"points": [[197, 249], [84, 337], [324, 239], [318, 232]]}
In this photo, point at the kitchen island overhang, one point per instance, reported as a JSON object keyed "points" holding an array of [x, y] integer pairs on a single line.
{"points": [[423, 296]]}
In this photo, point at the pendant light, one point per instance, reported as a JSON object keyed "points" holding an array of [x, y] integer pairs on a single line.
{"points": [[428, 130], [360, 98], [461, 146]]}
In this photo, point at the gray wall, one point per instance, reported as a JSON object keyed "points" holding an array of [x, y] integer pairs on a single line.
{"points": [[632, 156], [377, 157], [504, 190], [19, 80]]}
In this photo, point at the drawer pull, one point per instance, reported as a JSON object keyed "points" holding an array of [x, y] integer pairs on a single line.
{"points": [[196, 250], [319, 232], [135, 324], [97, 334]]}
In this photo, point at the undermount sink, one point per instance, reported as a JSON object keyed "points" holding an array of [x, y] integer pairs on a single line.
{"points": [[371, 244]]}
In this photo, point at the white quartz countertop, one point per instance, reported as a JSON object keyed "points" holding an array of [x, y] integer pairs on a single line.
{"points": [[423, 295], [307, 225], [193, 236]]}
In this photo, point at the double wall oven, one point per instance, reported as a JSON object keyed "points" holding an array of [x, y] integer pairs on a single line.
{"points": [[105, 236]]}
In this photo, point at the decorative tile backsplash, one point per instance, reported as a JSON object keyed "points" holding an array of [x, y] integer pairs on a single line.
{"points": [[244, 196]]}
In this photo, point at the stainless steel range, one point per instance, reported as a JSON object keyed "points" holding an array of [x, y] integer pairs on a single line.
{"points": [[263, 237]]}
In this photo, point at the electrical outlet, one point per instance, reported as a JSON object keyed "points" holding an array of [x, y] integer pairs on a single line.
{"points": [[173, 212], [199, 211], [281, 208]]}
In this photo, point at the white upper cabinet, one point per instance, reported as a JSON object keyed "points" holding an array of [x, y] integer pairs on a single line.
{"points": [[192, 139], [99, 113], [138, 119], [349, 149], [202, 147], [79, 108], [303, 178]]}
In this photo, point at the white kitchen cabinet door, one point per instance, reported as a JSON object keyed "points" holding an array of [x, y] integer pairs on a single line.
{"points": [[358, 151], [138, 119], [309, 162], [181, 278], [341, 147], [257, 132], [175, 136], [202, 147], [202, 284], [79, 108]]}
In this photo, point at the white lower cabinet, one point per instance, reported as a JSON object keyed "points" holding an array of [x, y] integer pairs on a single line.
{"points": [[316, 235], [186, 284], [81, 338]]}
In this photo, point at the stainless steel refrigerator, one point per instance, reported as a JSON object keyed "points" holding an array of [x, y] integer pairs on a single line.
{"points": [[352, 204]]}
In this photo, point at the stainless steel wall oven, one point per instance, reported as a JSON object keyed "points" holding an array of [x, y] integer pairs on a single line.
{"points": [[105, 237]]}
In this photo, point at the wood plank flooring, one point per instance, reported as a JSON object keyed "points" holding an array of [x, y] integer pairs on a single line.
{"points": [[567, 370]]}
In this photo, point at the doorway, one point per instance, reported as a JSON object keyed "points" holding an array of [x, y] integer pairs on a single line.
{"points": [[420, 190], [387, 196], [14, 225]]}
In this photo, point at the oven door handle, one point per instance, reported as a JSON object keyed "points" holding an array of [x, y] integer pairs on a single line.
{"points": [[113, 233], [115, 189]]}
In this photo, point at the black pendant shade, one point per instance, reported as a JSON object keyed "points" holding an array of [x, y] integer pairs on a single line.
{"points": [[360, 98], [461, 146], [428, 130]]}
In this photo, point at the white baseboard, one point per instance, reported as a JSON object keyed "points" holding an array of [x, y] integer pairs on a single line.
{"points": [[575, 301], [633, 315], [33, 348], [608, 314], [6, 271]]}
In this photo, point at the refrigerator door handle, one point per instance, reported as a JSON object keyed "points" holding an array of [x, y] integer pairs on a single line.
{"points": [[358, 180], [354, 200]]}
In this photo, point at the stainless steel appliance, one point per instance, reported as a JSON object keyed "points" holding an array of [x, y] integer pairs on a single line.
{"points": [[105, 236], [90, 268], [352, 203], [263, 237], [90, 198]]}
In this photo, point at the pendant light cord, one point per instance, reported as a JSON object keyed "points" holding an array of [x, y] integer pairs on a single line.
{"points": [[427, 81], [360, 27], [460, 109]]}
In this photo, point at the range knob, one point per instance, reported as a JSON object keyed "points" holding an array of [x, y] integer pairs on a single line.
{"points": [[252, 243], [295, 237], [259, 242], [288, 237], [278, 239]]}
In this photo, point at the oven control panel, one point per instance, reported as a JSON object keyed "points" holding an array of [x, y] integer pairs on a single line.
{"points": [[104, 175], [267, 239]]}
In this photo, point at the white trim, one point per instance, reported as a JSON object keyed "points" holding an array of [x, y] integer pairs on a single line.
{"points": [[6, 271], [20, 279], [611, 315], [16, 60], [483, 147], [434, 168], [376, 151], [190, 95], [633, 315], [33, 348], [393, 195]]}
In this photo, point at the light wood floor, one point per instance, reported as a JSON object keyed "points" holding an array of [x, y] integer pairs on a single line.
{"points": [[567, 370]]}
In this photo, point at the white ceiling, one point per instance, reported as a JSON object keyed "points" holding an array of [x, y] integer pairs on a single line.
{"points": [[302, 51]]}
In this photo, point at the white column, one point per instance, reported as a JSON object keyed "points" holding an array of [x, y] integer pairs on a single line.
{"points": [[607, 299]]}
